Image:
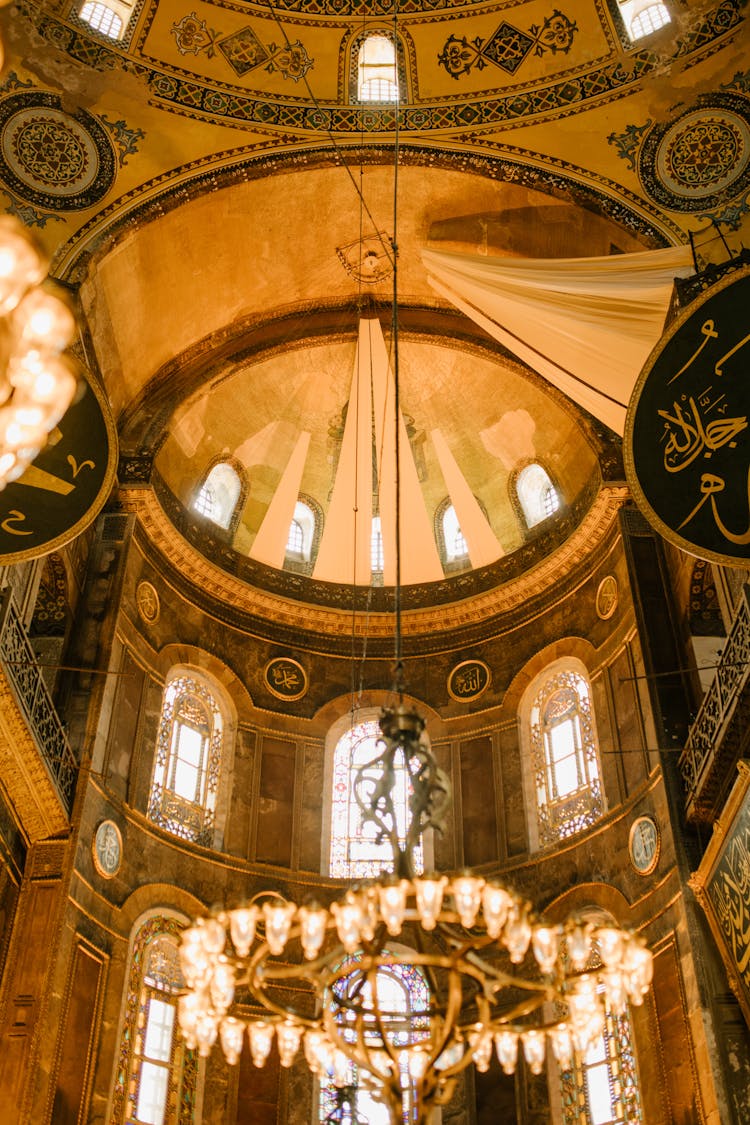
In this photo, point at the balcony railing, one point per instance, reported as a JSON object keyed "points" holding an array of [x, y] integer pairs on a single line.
{"points": [[720, 733], [19, 663]]}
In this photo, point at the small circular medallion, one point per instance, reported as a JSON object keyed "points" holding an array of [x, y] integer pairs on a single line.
{"points": [[644, 845], [285, 678], [468, 680], [107, 849], [607, 597], [147, 601]]}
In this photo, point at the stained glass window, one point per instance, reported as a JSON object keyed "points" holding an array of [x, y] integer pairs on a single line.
{"points": [[187, 760], [377, 74], [399, 990], [156, 1078], [355, 851], [536, 493], [565, 757], [602, 1086], [219, 495]]}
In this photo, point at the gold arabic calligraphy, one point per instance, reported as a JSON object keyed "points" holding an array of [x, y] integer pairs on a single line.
{"points": [[730, 896]]}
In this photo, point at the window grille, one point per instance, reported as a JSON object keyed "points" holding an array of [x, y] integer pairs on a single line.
{"points": [[377, 71], [102, 18], [187, 762], [565, 758]]}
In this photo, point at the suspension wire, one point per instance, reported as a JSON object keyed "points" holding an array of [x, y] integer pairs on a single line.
{"points": [[339, 151], [399, 662]]}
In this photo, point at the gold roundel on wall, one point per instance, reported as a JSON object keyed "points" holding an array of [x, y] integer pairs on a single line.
{"points": [[468, 680], [644, 845], [285, 678], [106, 849], [607, 597], [147, 600]]}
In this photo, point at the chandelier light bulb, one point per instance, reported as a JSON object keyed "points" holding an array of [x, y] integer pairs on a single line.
{"points": [[480, 1043], [206, 1031], [562, 1045], [348, 915], [467, 895], [429, 894], [21, 265], [288, 1037], [534, 1042], [278, 917], [43, 320], [340, 1068], [312, 920], [579, 946], [611, 945], [242, 923], [318, 1051], [213, 936], [545, 941], [517, 935], [496, 902], [222, 986], [260, 1038], [231, 1034], [506, 1049], [392, 898]]}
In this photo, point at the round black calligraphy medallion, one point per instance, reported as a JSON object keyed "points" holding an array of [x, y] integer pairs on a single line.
{"points": [[687, 431], [65, 487]]}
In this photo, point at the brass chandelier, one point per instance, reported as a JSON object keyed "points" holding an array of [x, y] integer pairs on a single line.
{"points": [[498, 977]]}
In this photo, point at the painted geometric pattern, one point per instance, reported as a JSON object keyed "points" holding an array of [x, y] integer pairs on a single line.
{"points": [[697, 160], [197, 98], [507, 47]]}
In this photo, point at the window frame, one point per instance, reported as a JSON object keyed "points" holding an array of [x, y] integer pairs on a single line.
{"points": [[529, 520], [193, 820], [354, 48], [152, 931], [227, 530], [553, 819], [123, 10]]}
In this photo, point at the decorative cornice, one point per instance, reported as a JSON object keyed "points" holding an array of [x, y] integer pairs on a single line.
{"points": [[270, 614]]}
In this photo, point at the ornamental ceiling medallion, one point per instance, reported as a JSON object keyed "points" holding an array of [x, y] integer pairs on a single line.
{"points": [[687, 439], [51, 158]]}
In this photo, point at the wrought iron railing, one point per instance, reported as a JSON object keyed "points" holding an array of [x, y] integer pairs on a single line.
{"points": [[709, 730], [19, 664]]}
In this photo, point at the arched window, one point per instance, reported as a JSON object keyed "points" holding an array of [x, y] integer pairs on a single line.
{"points": [[401, 990], [355, 852], [601, 1087], [219, 496], [456, 547], [156, 1076], [565, 757], [377, 69], [188, 759], [536, 493], [376, 547], [642, 18], [102, 18], [301, 532]]}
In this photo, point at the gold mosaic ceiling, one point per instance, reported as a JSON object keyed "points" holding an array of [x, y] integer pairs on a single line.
{"points": [[204, 189]]}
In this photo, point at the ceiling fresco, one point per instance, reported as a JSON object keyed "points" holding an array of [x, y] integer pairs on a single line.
{"points": [[207, 186]]}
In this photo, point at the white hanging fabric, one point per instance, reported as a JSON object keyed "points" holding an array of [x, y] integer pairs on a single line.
{"points": [[587, 325]]}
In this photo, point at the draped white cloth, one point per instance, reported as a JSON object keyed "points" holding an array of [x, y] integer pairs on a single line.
{"points": [[587, 325]]}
